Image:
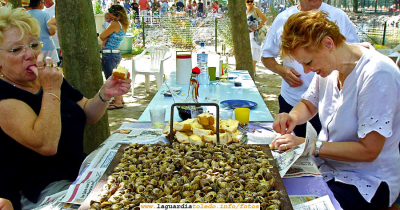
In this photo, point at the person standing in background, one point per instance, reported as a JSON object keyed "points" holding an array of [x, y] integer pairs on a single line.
{"points": [[135, 8], [295, 82], [49, 48], [50, 7], [253, 17], [164, 8], [194, 8], [200, 9], [215, 7], [155, 7], [111, 56], [179, 6], [127, 6], [189, 8], [144, 7]]}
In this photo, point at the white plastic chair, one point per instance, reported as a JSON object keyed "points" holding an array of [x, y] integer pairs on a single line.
{"points": [[158, 54]]}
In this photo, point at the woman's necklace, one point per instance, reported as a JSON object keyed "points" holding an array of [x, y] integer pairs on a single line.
{"points": [[2, 77], [351, 55]]}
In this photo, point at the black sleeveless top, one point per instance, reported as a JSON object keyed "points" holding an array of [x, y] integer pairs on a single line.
{"points": [[24, 171]]}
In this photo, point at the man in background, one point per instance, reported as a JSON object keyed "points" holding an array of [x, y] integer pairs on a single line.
{"points": [[200, 9], [127, 6], [180, 6], [135, 9], [144, 7]]}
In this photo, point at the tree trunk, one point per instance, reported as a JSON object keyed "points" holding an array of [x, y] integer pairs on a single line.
{"points": [[15, 3], [355, 6], [81, 59], [241, 40], [376, 6]]}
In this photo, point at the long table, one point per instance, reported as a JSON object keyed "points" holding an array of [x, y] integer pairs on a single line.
{"points": [[248, 91]]}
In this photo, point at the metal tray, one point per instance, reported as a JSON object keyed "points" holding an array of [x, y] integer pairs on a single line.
{"points": [[285, 201]]}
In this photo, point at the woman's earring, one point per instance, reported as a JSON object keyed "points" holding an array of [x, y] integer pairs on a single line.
{"points": [[332, 50]]}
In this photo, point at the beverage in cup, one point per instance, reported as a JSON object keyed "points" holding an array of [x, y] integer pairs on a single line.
{"points": [[157, 116], [242, 115]]}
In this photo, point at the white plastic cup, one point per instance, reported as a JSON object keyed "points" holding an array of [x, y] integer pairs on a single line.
{"points": [[157, 116], [225, 114]]}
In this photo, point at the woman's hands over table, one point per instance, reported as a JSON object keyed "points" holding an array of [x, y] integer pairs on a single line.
{"points": [[284, 124], [116, 87], [285, 142]]}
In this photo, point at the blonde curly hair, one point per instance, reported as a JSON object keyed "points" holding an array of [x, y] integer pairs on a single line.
{"points": [[19, 18], [305, 29]]}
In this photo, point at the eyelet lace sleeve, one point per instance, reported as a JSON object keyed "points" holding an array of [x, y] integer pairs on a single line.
{"points": [[312, 92], [377, 104]]}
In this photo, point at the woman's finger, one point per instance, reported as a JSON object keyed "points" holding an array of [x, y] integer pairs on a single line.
{"points": [[48, 62]]}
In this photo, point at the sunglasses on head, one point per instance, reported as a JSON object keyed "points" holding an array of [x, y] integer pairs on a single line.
{"points": [[249, 1]]}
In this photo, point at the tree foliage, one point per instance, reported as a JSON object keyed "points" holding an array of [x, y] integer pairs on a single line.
{"points": [[15, 3]]}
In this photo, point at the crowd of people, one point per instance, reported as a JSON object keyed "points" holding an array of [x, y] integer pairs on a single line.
{"points": [[155, 8]]}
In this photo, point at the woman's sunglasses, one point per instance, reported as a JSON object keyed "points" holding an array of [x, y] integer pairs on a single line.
{"points": [[249, 1]]}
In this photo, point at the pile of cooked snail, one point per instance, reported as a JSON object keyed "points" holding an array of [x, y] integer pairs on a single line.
{"points": [[180, 173]]}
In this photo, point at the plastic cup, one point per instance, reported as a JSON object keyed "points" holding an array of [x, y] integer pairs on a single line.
{"points": [[242, 115], [157, 116], [225, 114], [212, 72]]}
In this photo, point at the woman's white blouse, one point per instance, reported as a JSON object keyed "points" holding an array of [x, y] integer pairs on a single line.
{"points": [[369, 101]]}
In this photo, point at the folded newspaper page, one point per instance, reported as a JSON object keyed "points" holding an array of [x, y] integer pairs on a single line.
{"points": [[298, 199], [55, 202], [322, 203], [286, 159], [304, 166]]}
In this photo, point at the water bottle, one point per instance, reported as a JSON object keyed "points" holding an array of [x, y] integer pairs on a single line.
{"points": [[202, 59], [224, 66]]}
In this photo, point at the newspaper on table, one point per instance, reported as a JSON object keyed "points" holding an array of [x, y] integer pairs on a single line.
{"points": [[286, 159], [261, 136], [304, 166], [55, 202], [298, 199], [88, 178], [322, 203]]}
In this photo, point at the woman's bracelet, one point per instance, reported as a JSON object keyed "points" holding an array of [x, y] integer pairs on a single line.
{"points": [[102, 99], [53, 95]]}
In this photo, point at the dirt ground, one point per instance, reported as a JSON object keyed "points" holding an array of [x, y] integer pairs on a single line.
{"points": [[267, 82]]}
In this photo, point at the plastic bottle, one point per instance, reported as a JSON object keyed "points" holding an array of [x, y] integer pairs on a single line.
{"points": [[202, 60], [224, 68]]}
